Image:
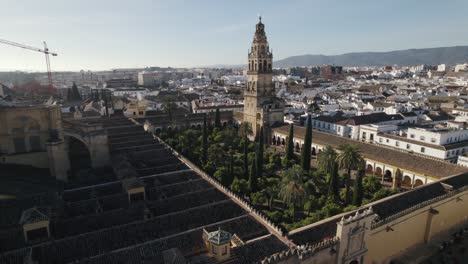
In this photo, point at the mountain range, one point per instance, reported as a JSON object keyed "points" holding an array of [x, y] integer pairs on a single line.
{"points": [[431, 56]]}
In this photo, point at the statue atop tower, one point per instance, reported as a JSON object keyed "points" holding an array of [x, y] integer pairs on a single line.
{"points": [[261, 106]]}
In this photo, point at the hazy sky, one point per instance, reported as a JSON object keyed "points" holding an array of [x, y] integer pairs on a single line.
{"points": [[104, 34]]}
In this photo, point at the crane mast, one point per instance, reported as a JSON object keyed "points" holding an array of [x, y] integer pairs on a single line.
{"points": [[46, 53]]}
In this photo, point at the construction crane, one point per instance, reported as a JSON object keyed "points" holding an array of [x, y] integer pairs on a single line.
{"points": [[45, 51]]}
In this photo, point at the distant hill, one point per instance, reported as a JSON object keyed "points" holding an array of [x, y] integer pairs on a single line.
{"points": [[432, 56]]}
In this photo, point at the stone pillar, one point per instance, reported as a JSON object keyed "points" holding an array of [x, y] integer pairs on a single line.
{"points": [[59, 161]]}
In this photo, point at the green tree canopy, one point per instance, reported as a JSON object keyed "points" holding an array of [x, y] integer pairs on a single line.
{"points": [[293, 192], [348, 159], [204, 154], [290, 144], [306, 149], [217, 118], [259, 153], [253, 184]]}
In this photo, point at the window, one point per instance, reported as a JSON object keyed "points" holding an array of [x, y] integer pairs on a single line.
{"points": [[422, 138], [363, 135], [433, 140], [408, 146], [224, 251], [423, 149], [412, 136], [397, 143], [339, 128], [380, 140], [213, 249], [388, 141]]}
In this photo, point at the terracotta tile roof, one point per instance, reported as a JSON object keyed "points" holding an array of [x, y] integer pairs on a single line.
{"points": [[331, 118], [416, 163], [370, 119]]}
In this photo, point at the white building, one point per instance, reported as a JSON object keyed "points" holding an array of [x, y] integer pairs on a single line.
{"points": [[234, 79], [461, 67], [130, 92], [441, 68], [350, 127], [444, 144]]}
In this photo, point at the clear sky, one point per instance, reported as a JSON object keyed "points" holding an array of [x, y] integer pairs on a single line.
{"points": [[104, 34]]}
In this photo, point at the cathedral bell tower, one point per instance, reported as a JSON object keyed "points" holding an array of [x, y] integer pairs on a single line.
{"points": [[261, 107]]}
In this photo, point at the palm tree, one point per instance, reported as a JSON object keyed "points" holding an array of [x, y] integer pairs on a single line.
{"points": [[245, 130], [348, 159], [293, 192], [326, 160]]}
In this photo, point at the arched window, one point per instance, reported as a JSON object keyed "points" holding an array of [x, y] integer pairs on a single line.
{"points": [[265, 65]]}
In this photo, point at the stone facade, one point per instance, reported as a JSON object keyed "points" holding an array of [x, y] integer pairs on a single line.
{"points": [[261, 107], [26, 129], [379, 233]]}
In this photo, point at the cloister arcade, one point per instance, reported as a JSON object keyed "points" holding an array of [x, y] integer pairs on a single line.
{"points": [[379, 169]]}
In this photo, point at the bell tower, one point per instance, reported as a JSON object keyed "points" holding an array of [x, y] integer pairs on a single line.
{"points": [[261, 107]]}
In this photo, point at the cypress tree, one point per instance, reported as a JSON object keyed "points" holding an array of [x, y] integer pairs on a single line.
{"points": [[231, 167], [358, 189], [290, 144], [333, 188], [217, 118], [204, 142], [253, 177], [69, 95], [260, 154], [306, 149], [246, 157], [75, 93], [398, 178]]}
